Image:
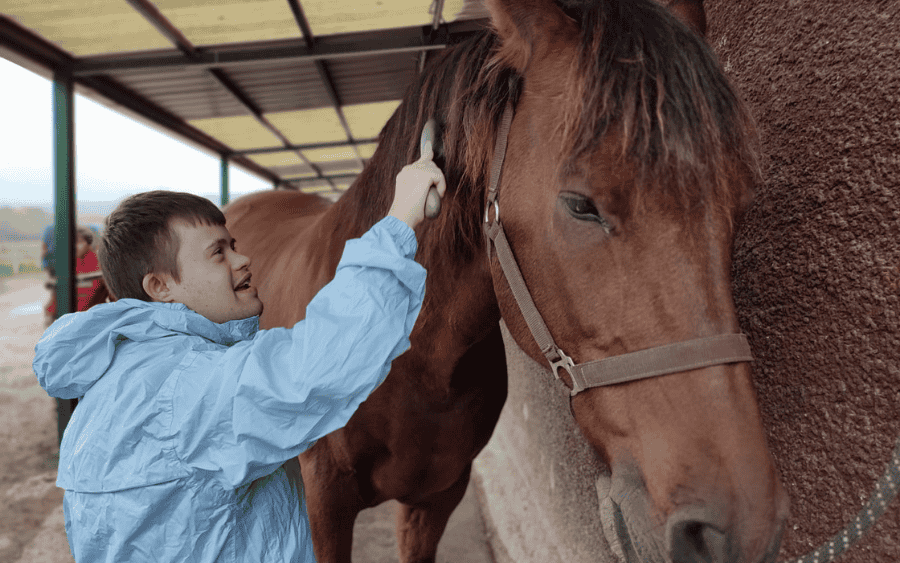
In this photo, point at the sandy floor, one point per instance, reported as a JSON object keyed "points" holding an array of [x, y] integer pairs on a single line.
{"points": [[31, 519]]}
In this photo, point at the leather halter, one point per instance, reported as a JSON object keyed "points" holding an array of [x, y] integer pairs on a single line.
{"points": [[652, 362]]}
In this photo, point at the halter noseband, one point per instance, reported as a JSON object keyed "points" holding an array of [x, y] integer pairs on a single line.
{"points": [[652, 362]]}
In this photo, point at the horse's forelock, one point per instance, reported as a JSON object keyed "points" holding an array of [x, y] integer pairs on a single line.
{"points": [[645, 81]]}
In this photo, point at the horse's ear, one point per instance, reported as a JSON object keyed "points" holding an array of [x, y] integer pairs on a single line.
{"points": [[690, 12], [528, 28]]}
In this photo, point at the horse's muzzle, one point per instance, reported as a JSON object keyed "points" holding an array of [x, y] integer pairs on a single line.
{"points": [[692, 533]]}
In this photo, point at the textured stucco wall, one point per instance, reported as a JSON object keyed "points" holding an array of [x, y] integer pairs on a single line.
{"points": [[817, 263], [817, 281]]}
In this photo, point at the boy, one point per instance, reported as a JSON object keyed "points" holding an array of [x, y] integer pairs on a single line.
{"points": [[178, 450]]}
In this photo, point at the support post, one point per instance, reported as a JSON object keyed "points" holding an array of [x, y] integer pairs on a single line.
{"points": [[224, 191], [64, 203]]}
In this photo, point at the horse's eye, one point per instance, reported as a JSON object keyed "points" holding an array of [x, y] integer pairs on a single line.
{"points": [[584, 209]]}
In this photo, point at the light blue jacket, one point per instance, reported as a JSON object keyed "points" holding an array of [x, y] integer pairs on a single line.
{"points": [[177, 451]]}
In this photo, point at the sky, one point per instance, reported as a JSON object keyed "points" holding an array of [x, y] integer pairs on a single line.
{"points": [[115, 156]]}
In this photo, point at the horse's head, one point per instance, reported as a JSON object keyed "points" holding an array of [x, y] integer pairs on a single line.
{"points": [[629, 161]]}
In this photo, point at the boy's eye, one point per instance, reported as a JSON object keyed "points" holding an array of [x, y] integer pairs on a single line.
{"points": [[218, 251]]}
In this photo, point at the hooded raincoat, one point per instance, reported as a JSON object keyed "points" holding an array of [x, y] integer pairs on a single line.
{"points": [[177, 450]]}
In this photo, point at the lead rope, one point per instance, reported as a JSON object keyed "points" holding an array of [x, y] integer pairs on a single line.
{"points": [[885, 491]]}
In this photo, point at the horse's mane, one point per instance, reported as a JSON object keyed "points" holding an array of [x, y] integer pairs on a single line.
{"points": [[640, 75], [465, 94]]}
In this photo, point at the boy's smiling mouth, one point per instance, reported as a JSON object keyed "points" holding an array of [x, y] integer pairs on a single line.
{"points": [[244, 285]]}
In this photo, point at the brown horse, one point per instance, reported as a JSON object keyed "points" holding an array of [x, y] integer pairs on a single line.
{"points": [[630, 158]]}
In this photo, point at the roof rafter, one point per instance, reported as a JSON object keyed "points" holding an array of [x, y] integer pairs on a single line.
{"points": [[21, 40], [325, 77], [156, 18], [438, 6], [170, 86], [332, 144], [401, 40], [161, 23]]}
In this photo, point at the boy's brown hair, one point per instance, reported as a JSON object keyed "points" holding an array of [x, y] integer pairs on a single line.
{"points": [[138, 238]]}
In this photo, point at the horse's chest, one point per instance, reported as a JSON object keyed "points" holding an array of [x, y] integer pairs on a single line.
{"points": [[460, 425], [442, 441]]}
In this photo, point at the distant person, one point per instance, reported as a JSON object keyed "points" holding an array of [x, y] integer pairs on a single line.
{"points": [[85, 263], [48, 247]]}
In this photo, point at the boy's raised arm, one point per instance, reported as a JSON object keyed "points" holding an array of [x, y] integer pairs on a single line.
{"points": [[288, 387]]}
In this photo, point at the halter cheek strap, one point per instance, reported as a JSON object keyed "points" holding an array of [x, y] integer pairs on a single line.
{"points": [[661, 360]]}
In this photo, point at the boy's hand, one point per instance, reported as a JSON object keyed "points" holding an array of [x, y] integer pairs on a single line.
{"points": [[413, 183]]}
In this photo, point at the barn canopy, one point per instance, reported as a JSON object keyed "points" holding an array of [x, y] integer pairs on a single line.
{"points": [[294, 91]]}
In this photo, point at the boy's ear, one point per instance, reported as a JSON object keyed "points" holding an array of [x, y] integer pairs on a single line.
{"points": [[158, 287]]}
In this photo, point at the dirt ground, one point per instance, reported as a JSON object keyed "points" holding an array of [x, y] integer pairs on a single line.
{"points": [[28, 459], [32, 527]]}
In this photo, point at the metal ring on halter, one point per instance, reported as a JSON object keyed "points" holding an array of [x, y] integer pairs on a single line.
{"points": [[487, 211]]}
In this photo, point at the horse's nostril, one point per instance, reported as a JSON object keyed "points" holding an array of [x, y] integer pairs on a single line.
{"points": [[695, 540]]}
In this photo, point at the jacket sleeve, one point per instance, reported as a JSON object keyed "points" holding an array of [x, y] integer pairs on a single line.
{"points": [[286, 388]]}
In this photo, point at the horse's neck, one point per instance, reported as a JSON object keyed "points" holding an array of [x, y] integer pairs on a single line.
{"points": [[460, 310]]}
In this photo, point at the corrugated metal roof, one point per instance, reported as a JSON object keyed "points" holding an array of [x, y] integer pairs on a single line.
{"points": [[188, 93], [263, 82], [213, 22], [86, 27]]}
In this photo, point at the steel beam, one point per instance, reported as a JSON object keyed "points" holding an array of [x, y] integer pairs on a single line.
{"points": [[174, 35], [20, 40], [162, 24], [402, 40], [223, 194], [123, 96], [304, 147], [324, 75], [64, 220], [64, 192]]}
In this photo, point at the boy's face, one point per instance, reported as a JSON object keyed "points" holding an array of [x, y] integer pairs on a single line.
{"points": [[215, 280]]}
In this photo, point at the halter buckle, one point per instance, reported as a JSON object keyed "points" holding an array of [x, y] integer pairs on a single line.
{"points": [[559, 359]]}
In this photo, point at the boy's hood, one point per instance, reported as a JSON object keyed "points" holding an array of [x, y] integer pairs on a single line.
{"points": [[76, 350]]}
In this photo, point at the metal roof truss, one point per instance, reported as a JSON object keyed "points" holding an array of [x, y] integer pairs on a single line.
{"points": [[257, 103]]}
